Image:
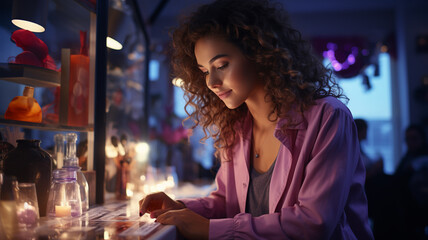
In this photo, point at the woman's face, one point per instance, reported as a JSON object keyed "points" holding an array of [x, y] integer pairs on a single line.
{"points": [[227, 72]]}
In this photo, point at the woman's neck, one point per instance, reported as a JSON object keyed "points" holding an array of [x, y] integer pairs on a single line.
{"points": [[265, 146], [261, 110]]}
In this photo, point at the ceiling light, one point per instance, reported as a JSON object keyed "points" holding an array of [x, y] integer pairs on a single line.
{"points": [[118, 28], [30, 15]]}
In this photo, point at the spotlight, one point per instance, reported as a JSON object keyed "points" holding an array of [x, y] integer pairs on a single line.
{"points": [[118, 26], [30, 15]]}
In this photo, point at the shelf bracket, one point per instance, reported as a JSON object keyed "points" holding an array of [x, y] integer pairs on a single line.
{"points": [[64, 89]]}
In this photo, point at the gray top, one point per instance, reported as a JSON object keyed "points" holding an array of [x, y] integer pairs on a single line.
{"points": [[258, 192]]}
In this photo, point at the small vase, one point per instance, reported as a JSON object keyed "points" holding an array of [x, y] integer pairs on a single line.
{"points": [[24, 108], [31, 164]]}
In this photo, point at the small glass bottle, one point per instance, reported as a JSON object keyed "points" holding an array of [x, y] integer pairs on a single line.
{"points": [[71, 163], [64, 195]]}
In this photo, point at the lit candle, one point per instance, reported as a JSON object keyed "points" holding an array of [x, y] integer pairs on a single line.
{"points": [[27, 215], [63, 211]]}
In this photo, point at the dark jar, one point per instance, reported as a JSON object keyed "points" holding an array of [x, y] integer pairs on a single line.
{"points": [[31, 164]]}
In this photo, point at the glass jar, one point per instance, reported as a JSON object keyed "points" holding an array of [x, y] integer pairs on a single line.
{"points": [[31, 164], [64, 195], [8, 218]]}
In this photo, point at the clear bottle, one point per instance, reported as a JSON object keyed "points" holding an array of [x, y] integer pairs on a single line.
{"points": [[64, 195], [71, 163], [59, 150]]}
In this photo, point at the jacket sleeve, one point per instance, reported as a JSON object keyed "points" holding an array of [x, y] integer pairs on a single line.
{"points": [[329, 174]]}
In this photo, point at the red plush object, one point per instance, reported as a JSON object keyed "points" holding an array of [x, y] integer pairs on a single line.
{"points": [[29, 42], [29, 58], [50, 63], [35, 50]]}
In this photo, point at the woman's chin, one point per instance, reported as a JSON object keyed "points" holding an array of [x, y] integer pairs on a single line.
{"points": [[231, 105]]}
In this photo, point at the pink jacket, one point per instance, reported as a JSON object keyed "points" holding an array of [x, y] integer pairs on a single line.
{"points": [[317, 185]]}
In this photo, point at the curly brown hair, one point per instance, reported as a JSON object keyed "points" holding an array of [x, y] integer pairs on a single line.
{"points": [[293, 76]]}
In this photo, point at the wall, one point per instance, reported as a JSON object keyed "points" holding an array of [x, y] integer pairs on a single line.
{"points": [[417, 63], [374, 24], [405, 20]]}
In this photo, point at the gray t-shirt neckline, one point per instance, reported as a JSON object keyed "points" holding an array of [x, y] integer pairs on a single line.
{"points": [[258, 192]]}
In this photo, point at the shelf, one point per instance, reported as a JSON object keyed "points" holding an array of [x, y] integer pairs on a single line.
{"points": [[45, 126], [29, 75]]}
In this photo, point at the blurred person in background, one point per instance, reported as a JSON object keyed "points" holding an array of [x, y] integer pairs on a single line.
{"points": [[373, 166], [411, 184]]}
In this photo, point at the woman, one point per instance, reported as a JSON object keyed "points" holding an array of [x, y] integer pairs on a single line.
{"points": [[290, 158]]}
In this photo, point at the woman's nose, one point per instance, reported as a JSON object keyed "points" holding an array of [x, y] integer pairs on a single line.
{"points": [[213, 80]]}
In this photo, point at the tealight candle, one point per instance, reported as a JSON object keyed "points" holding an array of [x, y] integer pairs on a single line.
{"points": [[27, 215], [62, 211]]}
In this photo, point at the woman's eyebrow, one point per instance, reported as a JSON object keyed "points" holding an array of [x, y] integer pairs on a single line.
{"points": [[215, 58]]}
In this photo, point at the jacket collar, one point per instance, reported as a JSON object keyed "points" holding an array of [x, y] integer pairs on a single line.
{"points": [[242, 155]]}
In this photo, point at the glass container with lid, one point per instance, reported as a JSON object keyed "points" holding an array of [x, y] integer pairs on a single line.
{"points": [[64, 195]]}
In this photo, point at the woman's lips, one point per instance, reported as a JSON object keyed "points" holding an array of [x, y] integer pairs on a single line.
{"points": [[225, 94]]}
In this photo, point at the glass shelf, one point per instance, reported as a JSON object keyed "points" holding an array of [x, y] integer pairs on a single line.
{"points": [[46, 126], [29, 75]]}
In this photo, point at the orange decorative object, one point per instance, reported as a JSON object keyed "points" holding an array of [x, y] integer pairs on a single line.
{"points": [[79, 86], [24, 108], [78, 90]]}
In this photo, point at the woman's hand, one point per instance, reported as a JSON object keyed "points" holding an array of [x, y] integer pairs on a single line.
{"points": [[189, 224], [158, 203]]}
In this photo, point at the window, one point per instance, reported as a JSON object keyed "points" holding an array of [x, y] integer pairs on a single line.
{"points": [[375, 106], [201, 153]]}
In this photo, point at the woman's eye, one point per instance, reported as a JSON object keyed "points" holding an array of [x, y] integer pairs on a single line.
{"points": [[223, 66], [204, 72]]}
